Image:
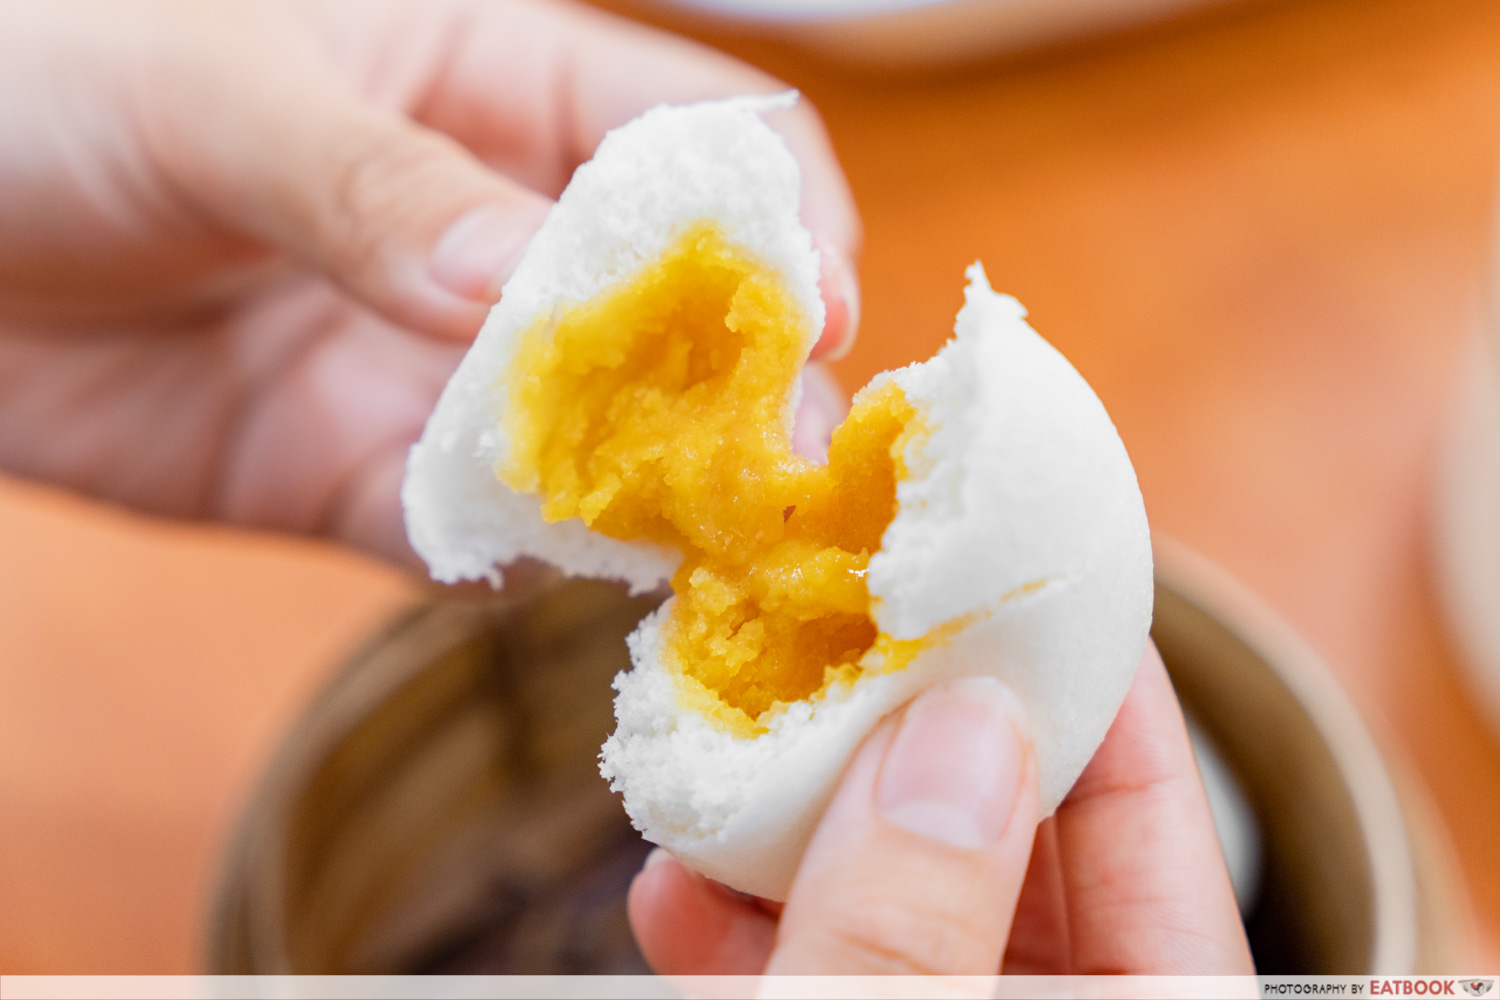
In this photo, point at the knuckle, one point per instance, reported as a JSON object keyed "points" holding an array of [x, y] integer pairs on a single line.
{"points": [[373, 187], [902, 940]]}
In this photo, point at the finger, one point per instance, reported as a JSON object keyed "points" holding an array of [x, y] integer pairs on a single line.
{"points": [[822, 408], [1143, 875], [686, 924], [1038, 944], [365, 511], [403, 217], [838, 284], [917, 864], [531, 89], [316, 428]]}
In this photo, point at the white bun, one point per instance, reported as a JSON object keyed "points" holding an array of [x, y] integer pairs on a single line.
{"points": [[1022, 514], [649, 181], [1019, 514]]}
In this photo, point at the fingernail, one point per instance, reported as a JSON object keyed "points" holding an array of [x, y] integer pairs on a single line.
{"points": [[953, 772], [839, 287], [477, 254], [656, 857]]}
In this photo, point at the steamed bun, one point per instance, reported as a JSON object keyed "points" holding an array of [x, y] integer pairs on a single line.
{"points": [[626, 413]]}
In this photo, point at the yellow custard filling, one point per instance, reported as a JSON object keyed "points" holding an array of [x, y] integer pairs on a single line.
{"points": [[655, 411]]}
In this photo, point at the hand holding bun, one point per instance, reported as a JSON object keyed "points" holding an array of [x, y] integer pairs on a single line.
{"points": [[929, 860], [626, 413]]}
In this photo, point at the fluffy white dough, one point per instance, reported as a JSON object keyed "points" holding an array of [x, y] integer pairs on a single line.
{"points": [[649, 181], [1021, 515]]}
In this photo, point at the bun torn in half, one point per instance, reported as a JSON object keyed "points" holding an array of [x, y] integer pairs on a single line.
{"points": [[626, 413]]}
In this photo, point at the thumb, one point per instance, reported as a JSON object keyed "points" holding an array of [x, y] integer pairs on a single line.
{"points": [[918, 863], [403, 217]]}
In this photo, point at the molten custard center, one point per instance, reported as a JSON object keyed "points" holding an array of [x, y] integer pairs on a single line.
{"points": [[656, 411]]}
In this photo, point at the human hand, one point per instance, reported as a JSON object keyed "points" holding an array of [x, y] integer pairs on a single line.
{"points": [[243, 243], [930, 860]]}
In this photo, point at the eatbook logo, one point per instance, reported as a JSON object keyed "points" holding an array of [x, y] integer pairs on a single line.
{"points": [[1477, 987]]}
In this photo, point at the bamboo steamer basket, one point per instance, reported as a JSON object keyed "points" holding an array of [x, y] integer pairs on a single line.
{"points": [[438, 808]]}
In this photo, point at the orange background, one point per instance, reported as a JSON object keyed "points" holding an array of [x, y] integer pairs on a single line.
{"points": [[1262, 233]]}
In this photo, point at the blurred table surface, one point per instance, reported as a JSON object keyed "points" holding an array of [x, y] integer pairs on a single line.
{"points": [[1261, 232]]}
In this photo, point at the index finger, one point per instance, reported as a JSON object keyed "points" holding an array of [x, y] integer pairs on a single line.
{"points": [[532, 88], [1134, 855]]}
